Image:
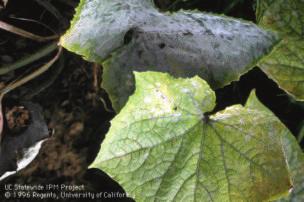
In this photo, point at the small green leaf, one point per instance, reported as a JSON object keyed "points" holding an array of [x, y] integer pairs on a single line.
{"points": [[163, 147], [130, 35], [285, 64]]}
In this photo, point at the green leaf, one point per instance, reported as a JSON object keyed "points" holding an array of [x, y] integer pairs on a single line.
{"points": [[295, 159], [128, 35], [285, 64], [163, 146], [293, 153]]}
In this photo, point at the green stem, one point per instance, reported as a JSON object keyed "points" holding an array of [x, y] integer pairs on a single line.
{"points": [[31, 76], [12, 29], [29, 59]]}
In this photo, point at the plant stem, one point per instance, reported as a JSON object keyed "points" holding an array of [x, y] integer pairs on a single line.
{"points": [[48, 81], [29, 59], [53, 10], [26, 34], [29, 77]]}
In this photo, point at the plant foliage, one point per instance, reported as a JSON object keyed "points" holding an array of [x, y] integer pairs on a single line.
{"points": [[133, 35], [286, 63], [168, 149], [165, 144]]}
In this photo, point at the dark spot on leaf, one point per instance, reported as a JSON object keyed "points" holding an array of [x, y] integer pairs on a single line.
{"points": [[229, 38], [162, 45], [247, 25], [216, 45], [187, 33], [209, 32], [139, 53], [128, 36]]}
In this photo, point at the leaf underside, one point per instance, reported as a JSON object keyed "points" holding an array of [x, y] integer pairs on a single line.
{"points": [[285, 64], [134, 35], [161, 146]]}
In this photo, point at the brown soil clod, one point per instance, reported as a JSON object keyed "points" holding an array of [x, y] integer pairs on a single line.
{"points": [[18, 118]]}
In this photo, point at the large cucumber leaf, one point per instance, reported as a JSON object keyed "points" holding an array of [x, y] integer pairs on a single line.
{"points": [[285, 64], [128, 35], [163, 146], [294, 155]]}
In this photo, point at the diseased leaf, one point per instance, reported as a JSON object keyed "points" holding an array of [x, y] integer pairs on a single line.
{"points": [[285, 64], [130, 35], [295, 159], [294, 155], [163, 147]]}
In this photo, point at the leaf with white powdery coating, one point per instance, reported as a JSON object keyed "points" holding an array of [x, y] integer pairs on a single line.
{"points": [[285, 64], [128, 35], [163, 147]]}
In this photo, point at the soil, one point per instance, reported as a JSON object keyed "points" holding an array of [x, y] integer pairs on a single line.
{"points": [[69, 94], [17, 118]]}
